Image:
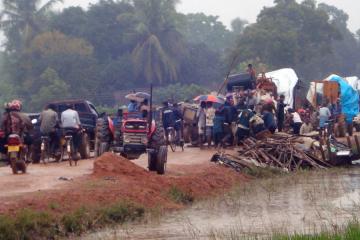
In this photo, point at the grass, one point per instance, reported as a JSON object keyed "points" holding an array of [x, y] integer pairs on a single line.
{"points": [[178, 196], [350, 232], [28, 224]]}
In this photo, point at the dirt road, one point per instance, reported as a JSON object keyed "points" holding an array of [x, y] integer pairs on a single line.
{"points": [[46, 177]]}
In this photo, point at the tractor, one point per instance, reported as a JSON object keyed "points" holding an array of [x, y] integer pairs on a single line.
{"points": [[131, 135]]}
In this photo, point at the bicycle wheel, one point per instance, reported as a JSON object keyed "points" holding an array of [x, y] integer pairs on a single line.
{"points": [[172, 141]]}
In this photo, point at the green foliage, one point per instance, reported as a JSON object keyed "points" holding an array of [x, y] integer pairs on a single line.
{"points": [[176, 195], [290, 35], [121, 212], [350, 232], [178, 92], [52, 88]]}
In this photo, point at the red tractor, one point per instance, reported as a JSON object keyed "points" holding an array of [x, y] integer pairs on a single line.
{"points": [[131, 135]]}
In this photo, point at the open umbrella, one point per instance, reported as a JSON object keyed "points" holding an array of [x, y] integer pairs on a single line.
{"points": [[142, 95], [133, 97], [209, 98]]}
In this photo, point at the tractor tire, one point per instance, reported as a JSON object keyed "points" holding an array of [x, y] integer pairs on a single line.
{"points": [[161, 160], [84, 149], [152, 160], [102, 130], [101, 148], [158, 138]]}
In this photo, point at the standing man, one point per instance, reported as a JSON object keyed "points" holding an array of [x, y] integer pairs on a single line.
{"points": [[324, 115], [210, 114], [280, 114], [252, 73], [70, 120], [49, 122], [201, 119]]}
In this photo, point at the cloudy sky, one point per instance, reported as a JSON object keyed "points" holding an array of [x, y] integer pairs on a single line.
{"points": [[246, 9]]}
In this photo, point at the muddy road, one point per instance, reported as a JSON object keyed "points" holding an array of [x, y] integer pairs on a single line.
{"points": [[55, 176]]}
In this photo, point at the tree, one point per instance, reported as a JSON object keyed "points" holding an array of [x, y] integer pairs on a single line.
{"points": [[53, 88], [22, 20], [72, 59], [200, 28], [289, 35], [238, 25], [160, 48]]}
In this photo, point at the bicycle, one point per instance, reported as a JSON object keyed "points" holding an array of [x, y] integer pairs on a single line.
{"points": [[68, 147], [46, 152], [45, 146], [171, 139]]}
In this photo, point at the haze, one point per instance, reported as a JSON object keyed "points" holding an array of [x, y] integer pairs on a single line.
{"points": [[227, 10]]}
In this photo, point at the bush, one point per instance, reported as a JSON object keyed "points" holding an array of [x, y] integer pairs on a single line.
{"points": [[121, 212], [179, 196]]}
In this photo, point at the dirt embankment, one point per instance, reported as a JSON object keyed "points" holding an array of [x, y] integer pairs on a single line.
{"points": [[115, 179]]}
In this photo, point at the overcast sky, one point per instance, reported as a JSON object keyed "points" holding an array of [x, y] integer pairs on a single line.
{"points": [[227, 10]]}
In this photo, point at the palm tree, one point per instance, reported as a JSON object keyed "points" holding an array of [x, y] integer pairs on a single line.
{"points": [[160, 47], [21, 20]]}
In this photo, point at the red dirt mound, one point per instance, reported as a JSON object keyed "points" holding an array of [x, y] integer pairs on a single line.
{"points": [[112, 165], [130, 182]]}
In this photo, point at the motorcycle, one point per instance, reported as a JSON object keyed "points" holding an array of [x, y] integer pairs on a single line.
{"points": [[16, 152]]}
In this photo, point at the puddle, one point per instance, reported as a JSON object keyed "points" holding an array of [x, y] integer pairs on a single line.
{"points": [[304, 203]]}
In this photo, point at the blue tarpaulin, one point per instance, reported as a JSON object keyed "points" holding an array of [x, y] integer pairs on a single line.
{"points": [[349, 98]]}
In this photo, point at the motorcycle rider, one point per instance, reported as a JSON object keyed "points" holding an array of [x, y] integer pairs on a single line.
{"points": [[49, 124], [70, 122], [15, 122]]}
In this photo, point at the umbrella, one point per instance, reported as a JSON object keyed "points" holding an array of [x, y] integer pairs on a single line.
{"points": [[209, 98], [142, 95], [133, 97]]}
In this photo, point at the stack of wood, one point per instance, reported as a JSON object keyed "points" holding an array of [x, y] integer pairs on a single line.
{"points": [[276, 151]]}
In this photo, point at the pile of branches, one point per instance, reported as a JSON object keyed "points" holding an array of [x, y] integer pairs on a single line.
{"points": [[276, 151]]}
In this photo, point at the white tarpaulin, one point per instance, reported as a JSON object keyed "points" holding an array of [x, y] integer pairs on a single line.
{"points": [[285, 81], [354, 82]]}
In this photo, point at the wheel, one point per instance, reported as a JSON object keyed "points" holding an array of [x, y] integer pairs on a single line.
{"points": [[85, 147], [13, 165], [44, 152], [35, 153], [172, 141], [21, 166], [161, 160], [152, 157], [102, 148], [158, 137], [69, 150]]}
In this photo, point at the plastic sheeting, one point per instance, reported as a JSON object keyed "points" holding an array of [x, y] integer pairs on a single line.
{"points": [[285, 80], [354, 82], [349, 98]]}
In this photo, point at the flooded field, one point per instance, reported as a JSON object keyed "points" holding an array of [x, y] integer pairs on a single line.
{"points": [[303, 203]]}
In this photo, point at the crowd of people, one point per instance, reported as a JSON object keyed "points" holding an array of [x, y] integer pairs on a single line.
{"points": [[235, 121]]}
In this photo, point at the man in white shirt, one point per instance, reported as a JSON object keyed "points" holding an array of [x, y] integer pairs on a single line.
{"points": [[70, 122]]}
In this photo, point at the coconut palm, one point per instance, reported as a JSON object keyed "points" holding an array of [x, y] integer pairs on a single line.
{"points": [[160, 47], [21, 20]]}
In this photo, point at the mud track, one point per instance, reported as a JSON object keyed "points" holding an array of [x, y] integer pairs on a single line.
{"points": [[74, 187]]}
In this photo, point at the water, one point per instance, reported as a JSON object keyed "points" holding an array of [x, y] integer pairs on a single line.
{"points": [[302, 203]]}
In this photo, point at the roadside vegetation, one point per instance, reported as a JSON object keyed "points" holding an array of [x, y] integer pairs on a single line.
{"points": [[29, 224]]}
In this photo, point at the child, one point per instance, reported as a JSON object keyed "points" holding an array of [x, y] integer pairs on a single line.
{"points": [[218, 128]]}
